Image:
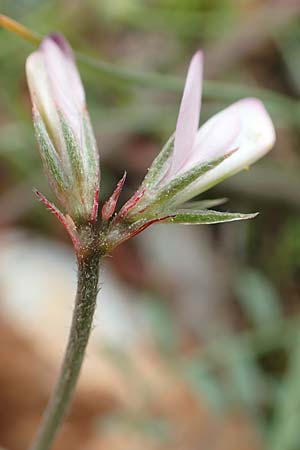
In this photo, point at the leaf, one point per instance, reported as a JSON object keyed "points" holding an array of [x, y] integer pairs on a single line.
{"points": [[121, 231], [204, 217]]}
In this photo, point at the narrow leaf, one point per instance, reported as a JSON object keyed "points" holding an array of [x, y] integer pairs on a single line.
{"points": [[205, 217]]}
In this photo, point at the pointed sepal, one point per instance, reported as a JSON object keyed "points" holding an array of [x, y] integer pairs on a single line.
{"points": [[130, 204], [170, 194], [94, 213], [66, 221], [110, 205]]}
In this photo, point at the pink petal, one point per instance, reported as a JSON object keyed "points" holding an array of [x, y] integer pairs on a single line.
{"points": [[41, 95], [64, 79], [216, 137], [256, 136], [189, 114]]}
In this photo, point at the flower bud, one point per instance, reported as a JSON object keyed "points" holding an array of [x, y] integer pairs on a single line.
{"points": [[63, 129]]}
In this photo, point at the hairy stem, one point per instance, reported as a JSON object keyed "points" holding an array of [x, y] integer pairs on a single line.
{"points": [[85, 304]]}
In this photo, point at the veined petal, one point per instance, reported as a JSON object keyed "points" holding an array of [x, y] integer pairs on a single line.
{"points": [[218, 135], [59, 100], [189, 114], [64, 79], [52, 164], [41, 95], [255, 138]]}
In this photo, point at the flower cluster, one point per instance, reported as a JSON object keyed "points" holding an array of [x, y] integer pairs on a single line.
{"points": [[193, 160]]}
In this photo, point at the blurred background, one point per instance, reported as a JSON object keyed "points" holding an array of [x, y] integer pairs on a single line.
{"points": [[196, 343]]}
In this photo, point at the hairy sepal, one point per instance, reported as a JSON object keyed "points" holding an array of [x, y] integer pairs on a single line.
{"points": [[168, 195], [57, 176], [73, 149], [160, 165], [90, 149], [66, 221], [109, 206], [84, 165]]}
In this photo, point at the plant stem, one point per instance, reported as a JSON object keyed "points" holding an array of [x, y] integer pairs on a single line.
{"points": [[85, 304], [16, 27]]}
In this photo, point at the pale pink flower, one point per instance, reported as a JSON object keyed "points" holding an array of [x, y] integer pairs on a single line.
{"points": [[231, 140], [67, 143], [195, 159]]}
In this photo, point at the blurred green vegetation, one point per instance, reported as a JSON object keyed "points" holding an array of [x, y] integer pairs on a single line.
{"points": [[133, 56]]}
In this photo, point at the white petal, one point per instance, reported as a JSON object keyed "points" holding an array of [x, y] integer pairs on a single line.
{"points": [[255, 138], [215, 138], [41, 94], [64, 79], [189, 114]]}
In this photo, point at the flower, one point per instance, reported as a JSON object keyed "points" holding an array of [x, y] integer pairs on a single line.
{"points": [[63, 129], [190, 163], [193, 160]]}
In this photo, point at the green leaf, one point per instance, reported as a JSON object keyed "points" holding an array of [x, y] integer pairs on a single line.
{"points": [[205, 217], [158, 167]]}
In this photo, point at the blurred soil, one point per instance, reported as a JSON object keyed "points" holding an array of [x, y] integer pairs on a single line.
{"points": [[187, 424]]}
